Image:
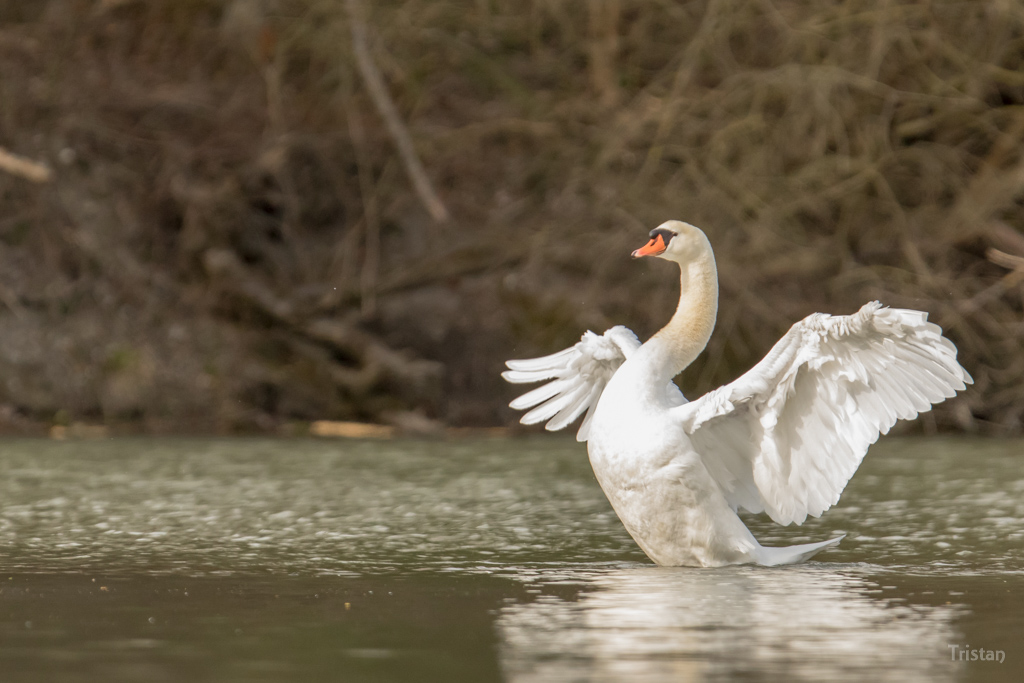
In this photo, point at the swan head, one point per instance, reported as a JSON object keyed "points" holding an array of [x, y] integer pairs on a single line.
{"points": [[674, 241]]}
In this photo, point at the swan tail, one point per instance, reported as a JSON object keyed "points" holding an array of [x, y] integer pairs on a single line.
{"points": [[794, 554]]}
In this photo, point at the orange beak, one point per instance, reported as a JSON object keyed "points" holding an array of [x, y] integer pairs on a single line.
{"points": [[652, 248]]}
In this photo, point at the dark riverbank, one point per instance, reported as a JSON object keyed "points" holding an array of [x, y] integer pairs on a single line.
{"points": [[229, 240]]}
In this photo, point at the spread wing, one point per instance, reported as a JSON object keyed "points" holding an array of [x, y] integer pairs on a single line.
{"points": [[786, 437], [578, 376]]}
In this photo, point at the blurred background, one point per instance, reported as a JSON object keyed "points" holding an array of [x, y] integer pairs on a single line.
{"points": [[223, 216]]}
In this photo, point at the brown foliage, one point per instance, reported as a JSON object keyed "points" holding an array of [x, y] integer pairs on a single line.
{"points": [[231, 240]]}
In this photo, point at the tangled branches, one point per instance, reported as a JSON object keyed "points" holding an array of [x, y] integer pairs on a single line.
{"points": [[222, 166]]}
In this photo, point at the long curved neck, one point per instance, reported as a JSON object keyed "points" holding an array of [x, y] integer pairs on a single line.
{"points": [[679, 343]]}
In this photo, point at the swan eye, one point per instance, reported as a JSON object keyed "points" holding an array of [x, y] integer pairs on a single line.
{"points": [[666, 235]]}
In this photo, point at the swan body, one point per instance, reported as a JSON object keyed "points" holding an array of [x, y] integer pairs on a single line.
{"points": [[784, 439]]}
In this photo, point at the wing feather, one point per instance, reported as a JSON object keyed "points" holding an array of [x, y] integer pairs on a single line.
{"points": [[787, 436], [553, 407], [568, 415], [545, 363], [539, 395], [584, 432], [578, 376]]}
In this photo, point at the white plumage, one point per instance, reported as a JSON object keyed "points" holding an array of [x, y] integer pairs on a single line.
{"points": [[783, 439]]}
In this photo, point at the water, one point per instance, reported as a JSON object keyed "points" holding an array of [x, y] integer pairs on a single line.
{"points": [[477, 560]]}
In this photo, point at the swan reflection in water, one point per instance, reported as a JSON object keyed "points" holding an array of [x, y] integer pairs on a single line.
{"points": [[657, 624]]}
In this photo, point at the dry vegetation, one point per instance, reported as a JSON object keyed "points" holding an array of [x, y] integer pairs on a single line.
{"points": [[230, 238]]}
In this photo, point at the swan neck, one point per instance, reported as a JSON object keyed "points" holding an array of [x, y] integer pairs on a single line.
{"points": [[688, 332]]}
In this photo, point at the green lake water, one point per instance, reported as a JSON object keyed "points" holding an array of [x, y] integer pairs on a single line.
{"points": [[484, 560]]}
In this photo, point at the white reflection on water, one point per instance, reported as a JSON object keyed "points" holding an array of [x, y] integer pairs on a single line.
{"points": [[658, 624]]}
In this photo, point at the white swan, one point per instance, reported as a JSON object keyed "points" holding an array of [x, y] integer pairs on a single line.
{"points": [[784, 438]]}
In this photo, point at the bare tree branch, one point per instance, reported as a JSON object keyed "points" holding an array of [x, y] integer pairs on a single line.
{"points": [[24, 168], [379, 93], [371, 218]]}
